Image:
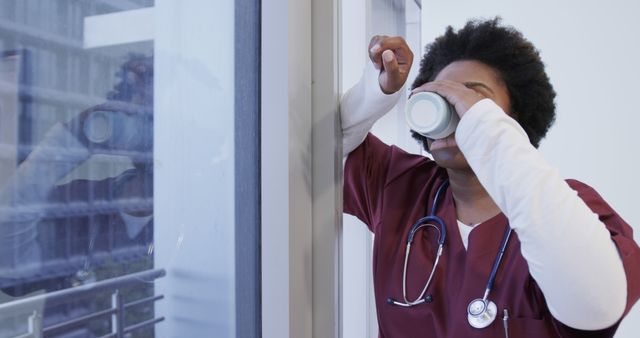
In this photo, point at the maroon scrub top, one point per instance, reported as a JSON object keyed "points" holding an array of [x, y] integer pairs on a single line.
{"points": [[389, 189]]}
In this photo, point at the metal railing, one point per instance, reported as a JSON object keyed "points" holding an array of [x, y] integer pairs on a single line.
{"points": [[36, 329]]}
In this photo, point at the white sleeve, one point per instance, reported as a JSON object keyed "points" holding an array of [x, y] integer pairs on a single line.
{"points": [[52, 159], [568, 249], [361, 106]]}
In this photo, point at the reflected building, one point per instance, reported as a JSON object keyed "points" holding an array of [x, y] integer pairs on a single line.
{"points": [[76, 158]]}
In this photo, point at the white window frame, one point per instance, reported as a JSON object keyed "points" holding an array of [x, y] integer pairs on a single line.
{"points": [[300, 169]]}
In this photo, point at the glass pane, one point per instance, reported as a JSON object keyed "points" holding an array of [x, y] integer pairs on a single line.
{"points": [[117, 174], [195, 195]]}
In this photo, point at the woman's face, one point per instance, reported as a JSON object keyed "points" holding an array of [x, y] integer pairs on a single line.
{"points": [[484, 80]]}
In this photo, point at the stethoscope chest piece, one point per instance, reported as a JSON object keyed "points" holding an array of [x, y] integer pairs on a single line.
{"points": [[481, 313]]}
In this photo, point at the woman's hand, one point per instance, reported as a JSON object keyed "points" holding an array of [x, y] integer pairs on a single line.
{"points": [[392, 56], [461, 97]]}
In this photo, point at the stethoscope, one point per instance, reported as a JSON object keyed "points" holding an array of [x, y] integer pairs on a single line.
{"points": [[481, 312]]}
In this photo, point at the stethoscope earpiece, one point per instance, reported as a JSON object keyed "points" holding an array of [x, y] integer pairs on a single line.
{"points": [[426, 299]]}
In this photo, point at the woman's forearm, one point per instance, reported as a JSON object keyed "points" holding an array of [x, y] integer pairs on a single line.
{"points": [[568, 249]]}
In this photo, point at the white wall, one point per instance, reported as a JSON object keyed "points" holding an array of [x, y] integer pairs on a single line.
{"points": [[591, 51]]}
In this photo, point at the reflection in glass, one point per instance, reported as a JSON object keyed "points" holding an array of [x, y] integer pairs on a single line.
{"points": [[76, 165]]}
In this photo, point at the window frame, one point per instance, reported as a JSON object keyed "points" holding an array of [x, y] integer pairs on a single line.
{"points": [[301, 169], [247, 164]]}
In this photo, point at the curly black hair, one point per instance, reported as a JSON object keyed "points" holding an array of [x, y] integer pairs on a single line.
{"points": [[515, 59]]}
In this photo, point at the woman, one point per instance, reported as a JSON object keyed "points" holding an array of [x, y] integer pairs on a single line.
{"points": [[570, 266]]}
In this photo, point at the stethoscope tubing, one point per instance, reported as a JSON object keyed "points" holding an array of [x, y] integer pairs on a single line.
{"points": [[497, 261], [436, 222], [428, 221]]}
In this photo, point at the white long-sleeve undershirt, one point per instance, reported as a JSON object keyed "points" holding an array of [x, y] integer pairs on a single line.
{"points": [[362, 106], [569, 251]]}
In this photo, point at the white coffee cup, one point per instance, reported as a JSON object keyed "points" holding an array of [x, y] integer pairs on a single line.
{"points": [[431, 115]]}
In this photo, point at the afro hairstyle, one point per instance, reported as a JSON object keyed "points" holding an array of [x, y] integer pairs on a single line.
{"points": [[514, 58]]}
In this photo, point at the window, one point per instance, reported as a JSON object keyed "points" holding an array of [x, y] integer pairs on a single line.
{"points": [[129, 197]]}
